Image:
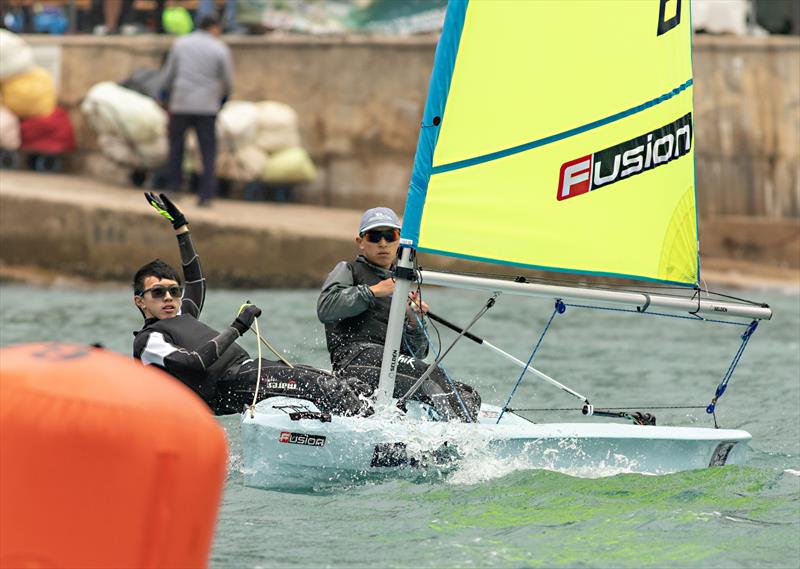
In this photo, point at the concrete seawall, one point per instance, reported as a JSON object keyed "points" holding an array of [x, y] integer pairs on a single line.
{"points": [[360, 99], [81, 227], [75, 226]]}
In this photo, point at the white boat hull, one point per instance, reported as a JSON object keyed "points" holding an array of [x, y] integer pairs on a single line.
{"points": [[280, 452]]}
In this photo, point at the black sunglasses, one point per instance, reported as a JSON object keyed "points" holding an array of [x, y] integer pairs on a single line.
{"points": [[374, 236], [159, 291]]}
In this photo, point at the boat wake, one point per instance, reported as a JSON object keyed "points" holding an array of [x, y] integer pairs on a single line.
{"points": [[479, 467]]}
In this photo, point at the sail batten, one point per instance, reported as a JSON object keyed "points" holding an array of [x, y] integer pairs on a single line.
{"points": [[614, 196]]}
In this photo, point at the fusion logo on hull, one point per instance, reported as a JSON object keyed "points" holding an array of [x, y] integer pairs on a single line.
{"points": [[302, 439], [626, 159]]}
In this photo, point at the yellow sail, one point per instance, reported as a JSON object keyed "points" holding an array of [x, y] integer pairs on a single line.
{"points": [[558, 134]]}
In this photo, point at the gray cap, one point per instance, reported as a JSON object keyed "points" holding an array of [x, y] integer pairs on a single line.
{"points": [[378, 217]]}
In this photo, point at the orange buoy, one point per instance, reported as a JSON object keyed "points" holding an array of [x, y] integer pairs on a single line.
{"points": [[104, 462]]}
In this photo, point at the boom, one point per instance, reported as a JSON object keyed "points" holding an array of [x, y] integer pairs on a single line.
{"points": [[641, 300]]}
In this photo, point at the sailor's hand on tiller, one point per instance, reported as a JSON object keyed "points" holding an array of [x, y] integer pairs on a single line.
{"points": [[164, 206], [383, 288], [416, 303]]}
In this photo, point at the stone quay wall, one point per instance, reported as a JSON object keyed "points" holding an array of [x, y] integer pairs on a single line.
{"points": [[360, 100]]}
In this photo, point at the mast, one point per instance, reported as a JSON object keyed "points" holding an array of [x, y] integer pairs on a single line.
{"points": [[394, 332], [439, 87]]}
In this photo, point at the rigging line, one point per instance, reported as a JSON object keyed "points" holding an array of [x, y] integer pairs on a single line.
{"points": [[418, 272], [665, 315], [705, 286], [422, 325], [270, 347], [483, 342], [441, 367], [402, 401], [560, 136], [742, 300], [751, 328], [699, 299], [558, 309]]}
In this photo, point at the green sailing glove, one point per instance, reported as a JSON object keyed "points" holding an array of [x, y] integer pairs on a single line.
{"points": [[164, 206]]}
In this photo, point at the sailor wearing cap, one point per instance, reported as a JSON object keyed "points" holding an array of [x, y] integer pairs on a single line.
{"points": [[354, 306]]}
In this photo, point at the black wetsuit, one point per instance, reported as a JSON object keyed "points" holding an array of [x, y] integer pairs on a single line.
{"points": [[220, 371], [355, 329]]}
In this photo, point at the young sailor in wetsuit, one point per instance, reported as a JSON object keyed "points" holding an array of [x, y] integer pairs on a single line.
{"points": [[210, 362], [354, 306]]}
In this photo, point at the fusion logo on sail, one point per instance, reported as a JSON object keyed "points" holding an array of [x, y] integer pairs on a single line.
{"points": [[626, 159]]}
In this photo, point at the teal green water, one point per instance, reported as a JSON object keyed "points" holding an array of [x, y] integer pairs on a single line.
{"points": [[491, 515]]}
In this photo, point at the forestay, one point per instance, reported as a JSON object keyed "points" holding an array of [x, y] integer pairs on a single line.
{"points": [[558, 135]]}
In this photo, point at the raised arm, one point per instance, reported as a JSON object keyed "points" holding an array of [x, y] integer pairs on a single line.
{"points": [[194, 293]]}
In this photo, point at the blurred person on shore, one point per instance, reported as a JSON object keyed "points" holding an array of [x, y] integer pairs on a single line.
{"points": [[208, 361], [354, 306], [114, 14], [226, 7], [196, 81]]}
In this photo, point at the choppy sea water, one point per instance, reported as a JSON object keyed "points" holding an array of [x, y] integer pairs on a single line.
{"points": [[493, 514]]}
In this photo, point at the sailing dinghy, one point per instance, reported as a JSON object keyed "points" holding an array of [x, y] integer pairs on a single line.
{"points": [[556, 136]]}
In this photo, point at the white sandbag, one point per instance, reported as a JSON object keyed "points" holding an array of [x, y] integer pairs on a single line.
{"points": [[249, 162], [227, 167], [720, 16], [273, 140], [237, 122], [154, 153], [148, 155], [9, 130], [277, 126], [112, 109], [242, 164], [117, 150], [289, 166], [191, 157], [16, 56]]}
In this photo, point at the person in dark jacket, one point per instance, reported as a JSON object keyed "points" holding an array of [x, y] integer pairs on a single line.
{"points": [[354, 306], [196, 81], [208, 361]]}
